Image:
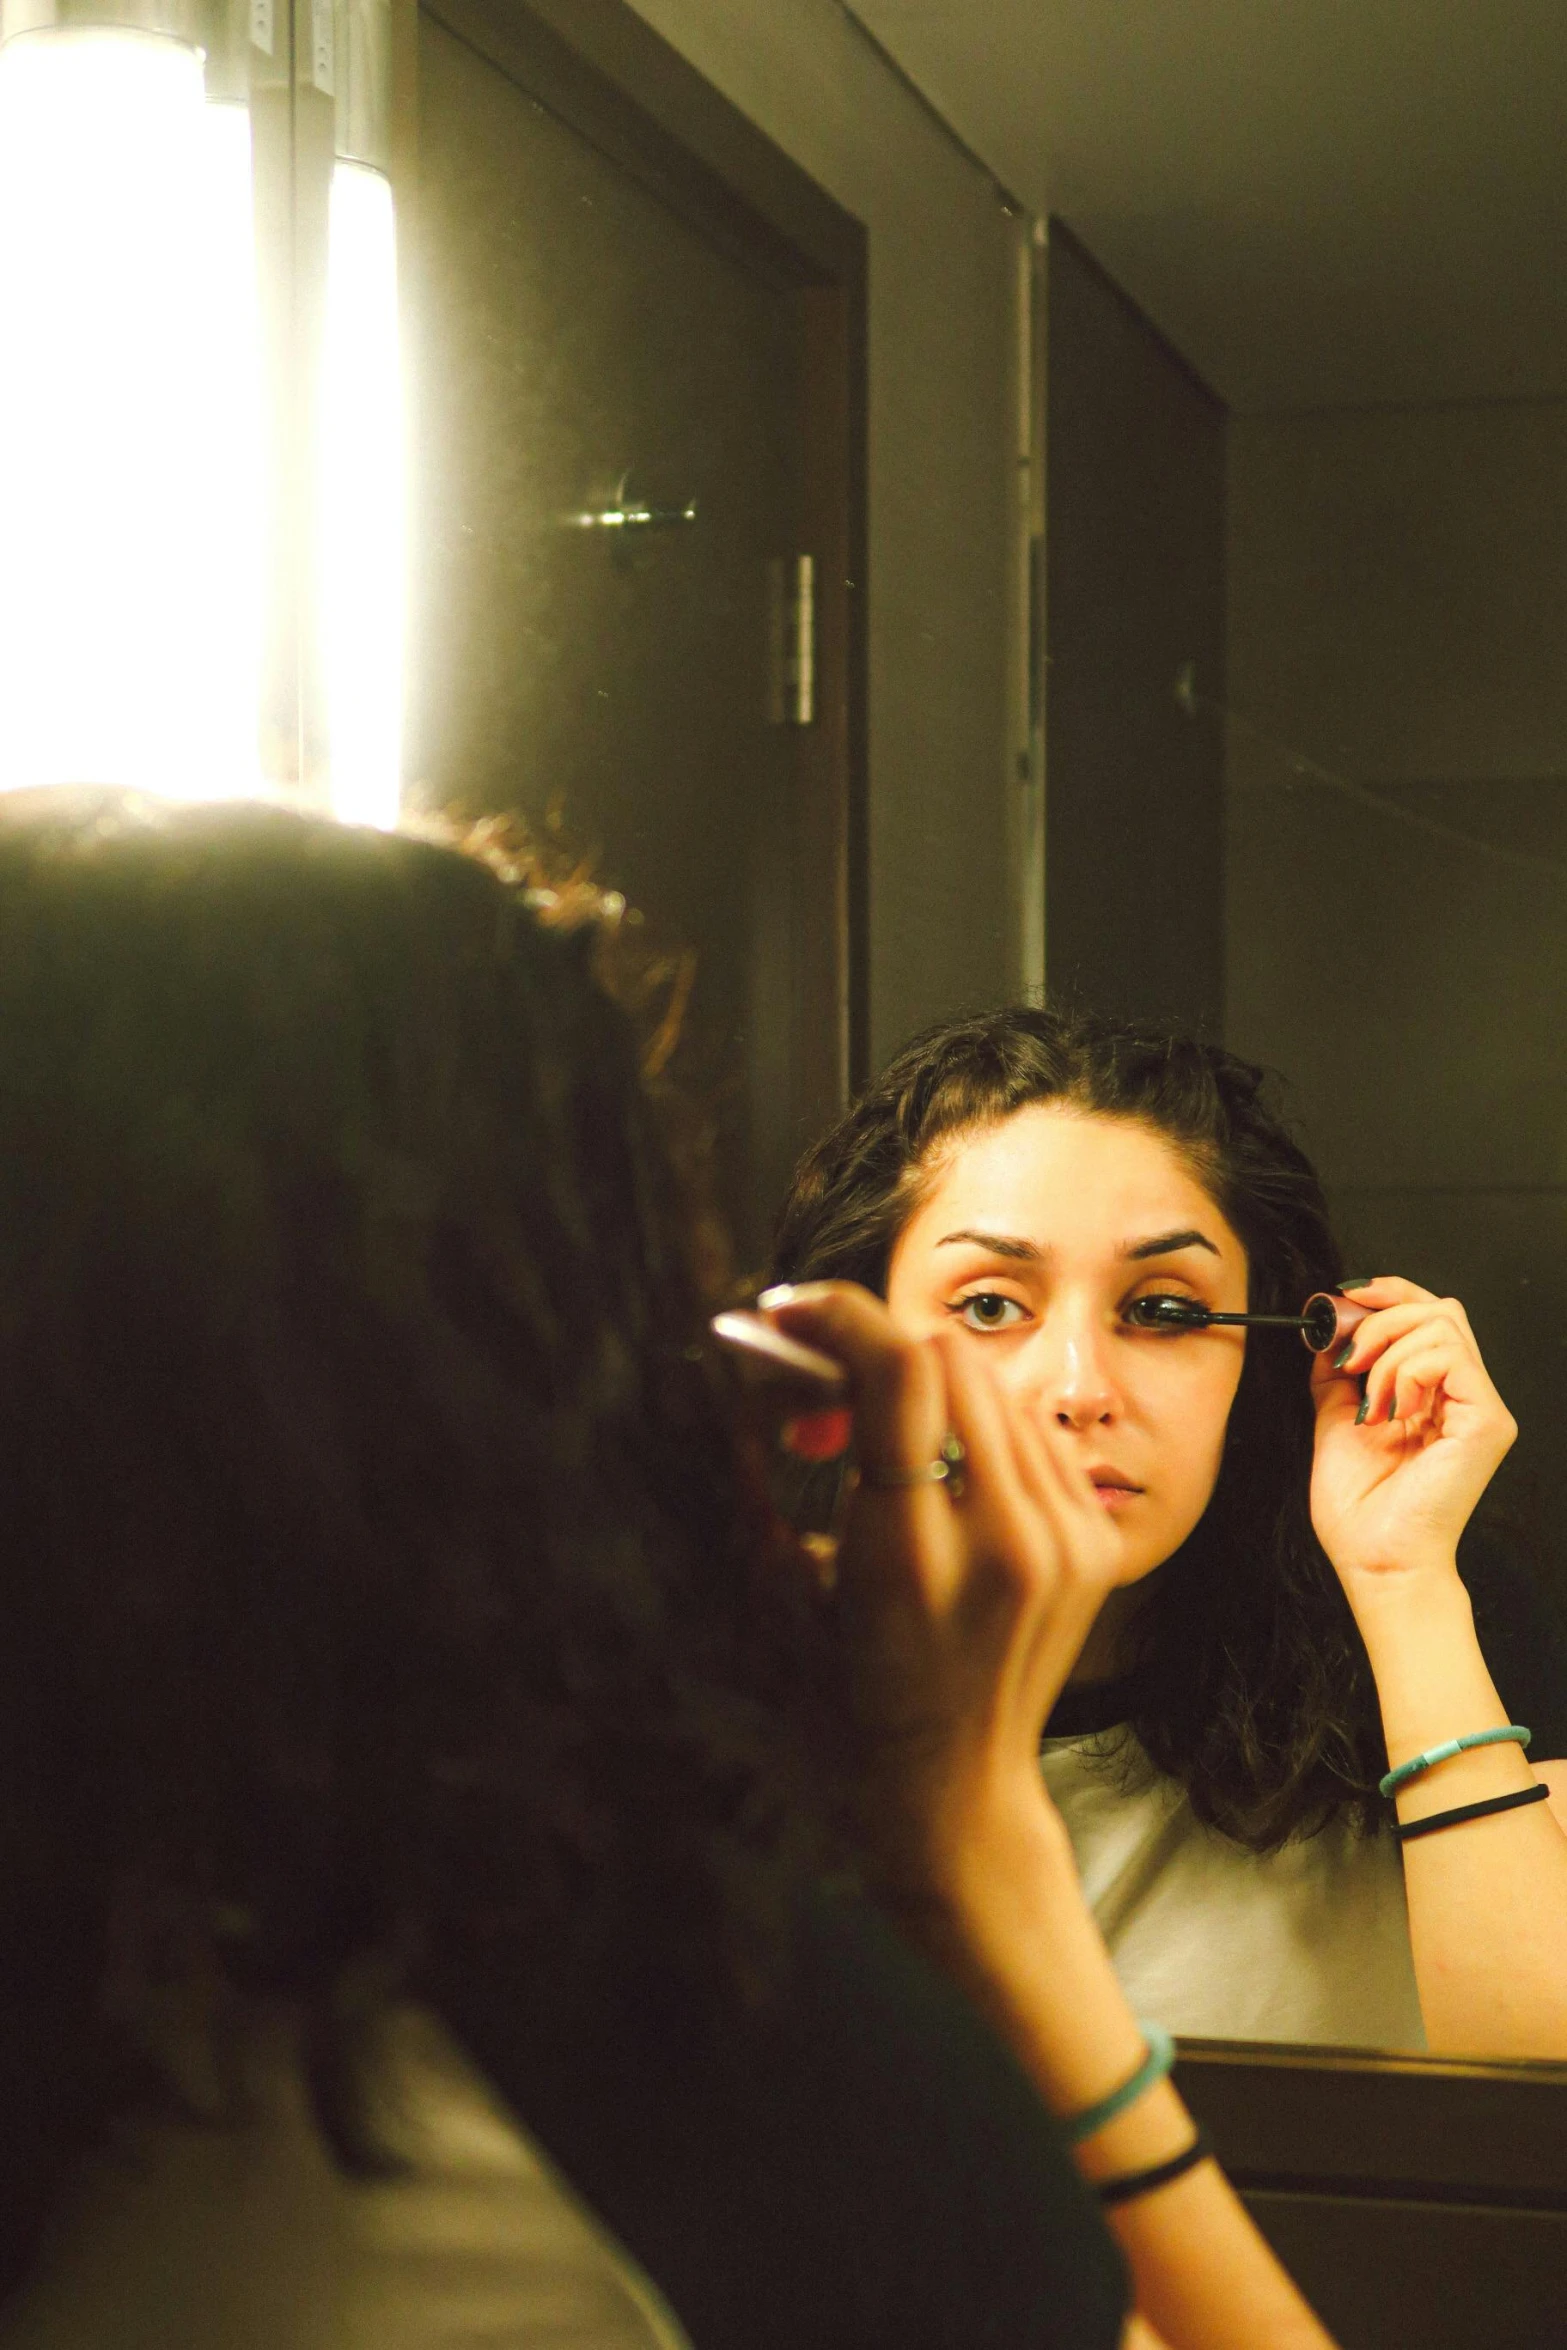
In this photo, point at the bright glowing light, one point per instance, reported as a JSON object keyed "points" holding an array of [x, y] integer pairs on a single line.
{"points": [[230, 447], [361, 520], [129, 420]]}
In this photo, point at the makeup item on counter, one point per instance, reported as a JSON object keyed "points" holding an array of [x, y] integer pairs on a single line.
{"points": [[1513, 1735], [1323, 1321]]}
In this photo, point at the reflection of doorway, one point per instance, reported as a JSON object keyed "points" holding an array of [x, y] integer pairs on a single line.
{"points": [[605, 327], [1134, 602]]}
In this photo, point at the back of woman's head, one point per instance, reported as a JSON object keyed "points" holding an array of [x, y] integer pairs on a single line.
{"points": [[1252, 1687], [379, 1564]]}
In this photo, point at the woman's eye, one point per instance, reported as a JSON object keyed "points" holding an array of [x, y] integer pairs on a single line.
{"points": [[988, 1310], [1163, 1309]]}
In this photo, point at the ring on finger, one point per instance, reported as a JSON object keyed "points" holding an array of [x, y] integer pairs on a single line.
{"points": [[946, 1469]]}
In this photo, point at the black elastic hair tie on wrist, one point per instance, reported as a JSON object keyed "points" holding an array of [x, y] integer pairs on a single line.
{"points": [[1162, 2174], [1408, 1830]]}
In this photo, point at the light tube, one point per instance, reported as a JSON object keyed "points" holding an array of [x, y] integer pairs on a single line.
{"points": [[361, 501], [130, 478]]}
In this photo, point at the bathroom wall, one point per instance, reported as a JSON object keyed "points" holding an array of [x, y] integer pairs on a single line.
{"points": [[1397, 850]]}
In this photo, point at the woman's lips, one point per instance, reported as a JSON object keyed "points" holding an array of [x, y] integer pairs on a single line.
{"points": [[1113, 1490]]}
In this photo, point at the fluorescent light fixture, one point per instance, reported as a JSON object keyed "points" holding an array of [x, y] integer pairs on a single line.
{"points": [[361, 501], [130, 469], [230, 445]]}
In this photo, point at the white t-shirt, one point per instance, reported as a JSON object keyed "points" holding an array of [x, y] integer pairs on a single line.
{"points": [[1310, 1943], [245, 2236]]}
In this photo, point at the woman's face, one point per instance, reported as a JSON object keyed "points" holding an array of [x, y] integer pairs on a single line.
{"points": [[1034, 1239]]}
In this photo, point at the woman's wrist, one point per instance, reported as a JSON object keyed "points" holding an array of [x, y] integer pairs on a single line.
{"points": [[1421, 1598], [1420, 1638], [1013, 1926], [1433, 1685], [989, 1867]]}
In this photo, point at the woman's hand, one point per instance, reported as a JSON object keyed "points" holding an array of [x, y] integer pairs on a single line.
{"points": [[962, 1614], [963, 1617], [1397, 1476]]}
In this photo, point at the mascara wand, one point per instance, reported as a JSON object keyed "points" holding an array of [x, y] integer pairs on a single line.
{"points": [[1323, 1321]]}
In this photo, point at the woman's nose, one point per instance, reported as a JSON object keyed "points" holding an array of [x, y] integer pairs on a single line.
{"points": [[1071, 1379]]}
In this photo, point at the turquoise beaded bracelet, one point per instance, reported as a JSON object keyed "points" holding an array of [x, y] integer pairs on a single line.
{"points": [[1155, 2065], [1512, 1735]]}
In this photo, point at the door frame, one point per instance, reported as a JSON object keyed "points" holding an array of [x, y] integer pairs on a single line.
{"points": [[601, 70]]}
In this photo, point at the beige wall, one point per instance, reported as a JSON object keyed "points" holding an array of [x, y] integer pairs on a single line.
{"points": [[943, 485], [1397, 937]]}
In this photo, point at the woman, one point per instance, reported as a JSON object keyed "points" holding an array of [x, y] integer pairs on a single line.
{"points": [[1291, 1619], [411, 1713]]}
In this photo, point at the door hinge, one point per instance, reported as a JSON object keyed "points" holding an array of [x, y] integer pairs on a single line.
{"points": [[791, 630]]}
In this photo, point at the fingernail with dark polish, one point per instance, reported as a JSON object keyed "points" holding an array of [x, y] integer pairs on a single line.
{"points": [[1357, 1281], [1392, 1407], [1365, 1406], [1343, 1355]]}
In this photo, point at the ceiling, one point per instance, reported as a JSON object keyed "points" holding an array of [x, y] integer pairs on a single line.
{"points": [[1322, 203]]}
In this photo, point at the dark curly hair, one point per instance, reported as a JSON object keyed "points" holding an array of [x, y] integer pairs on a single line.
{"points": [[383, 1571], [1250, 1683]]}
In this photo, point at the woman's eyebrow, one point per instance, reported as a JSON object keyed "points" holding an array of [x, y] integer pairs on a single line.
{"points": [[1167, 1244], [1000, 1244], [1029, 1252]]}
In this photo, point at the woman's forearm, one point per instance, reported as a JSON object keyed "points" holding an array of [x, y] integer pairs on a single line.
{"points": [[1021, 1939], [1488, 1897]]}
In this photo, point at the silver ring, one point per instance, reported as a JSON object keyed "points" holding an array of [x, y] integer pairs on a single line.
{"points": [[946, 1469]]}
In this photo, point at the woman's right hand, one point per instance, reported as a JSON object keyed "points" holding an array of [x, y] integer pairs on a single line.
{"points": [[962, 1615], [962, 1620]]}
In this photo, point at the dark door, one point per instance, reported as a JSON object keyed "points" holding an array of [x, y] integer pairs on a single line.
{"points": [[1134, 760], [617, 425]]}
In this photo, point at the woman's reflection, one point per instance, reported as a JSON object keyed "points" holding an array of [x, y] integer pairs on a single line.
{"points": [[1291, 1616]]}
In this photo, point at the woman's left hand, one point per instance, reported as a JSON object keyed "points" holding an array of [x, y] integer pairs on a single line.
{"points": [[1396, 1478]]}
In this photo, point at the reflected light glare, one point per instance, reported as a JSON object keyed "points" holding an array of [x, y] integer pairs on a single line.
{"points": [[362, 501], [129, 420]]}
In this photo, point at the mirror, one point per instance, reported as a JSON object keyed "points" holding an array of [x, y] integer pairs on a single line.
{"points": [[1245, 710], [634, 524]]}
